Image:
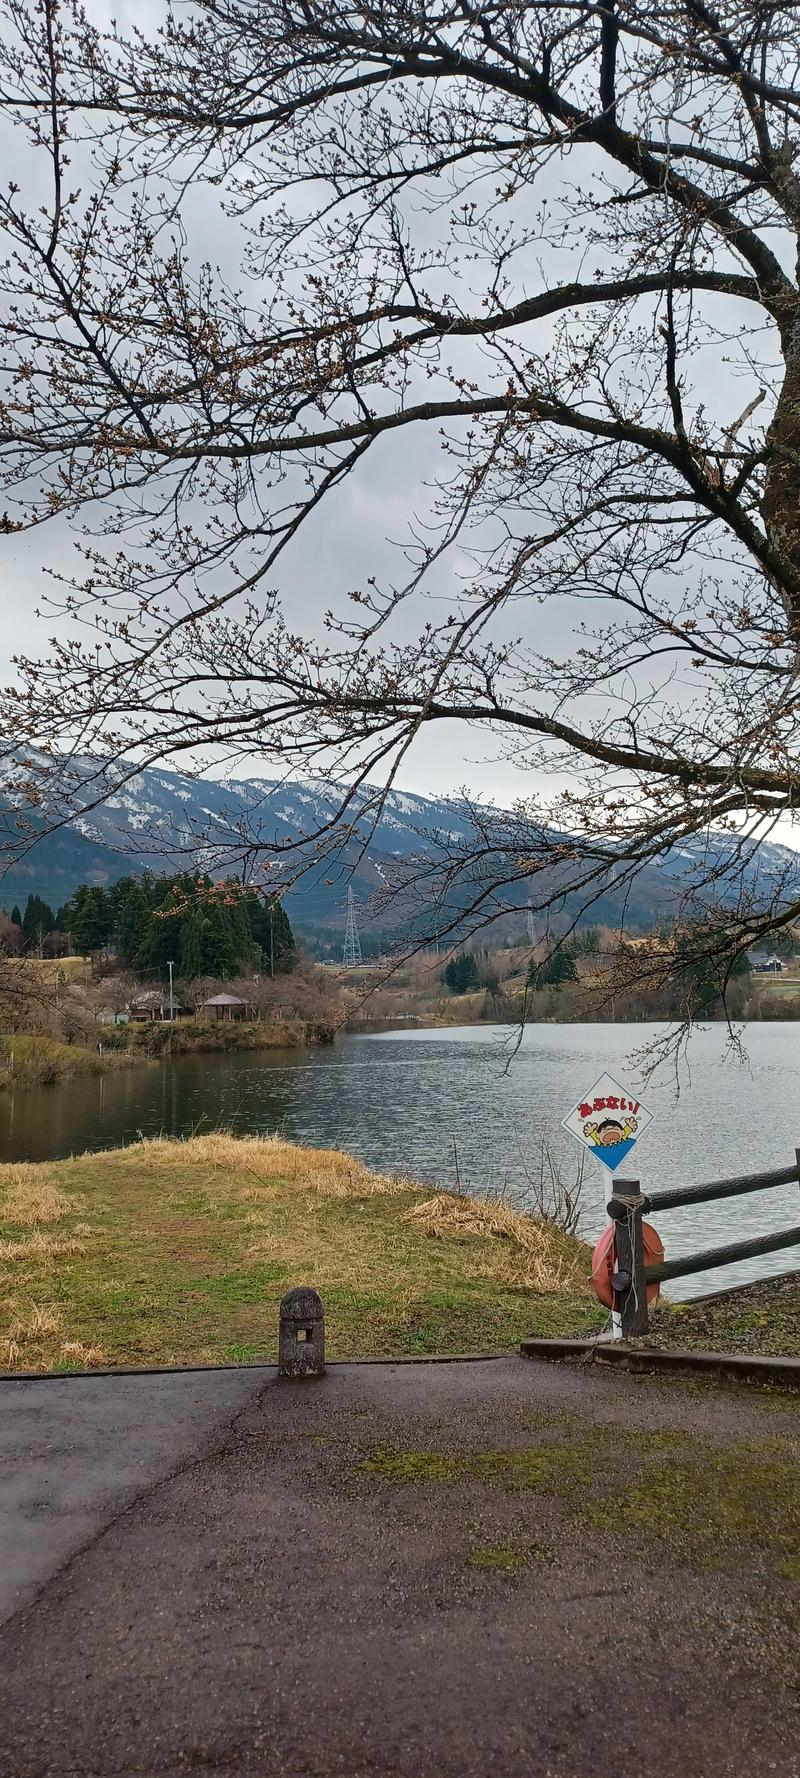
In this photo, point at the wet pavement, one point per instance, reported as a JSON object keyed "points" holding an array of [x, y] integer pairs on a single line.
{"points": [[414, 1571]]}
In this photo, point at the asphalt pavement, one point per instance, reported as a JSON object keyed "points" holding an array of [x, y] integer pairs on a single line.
{"points": [[399, 1571]]}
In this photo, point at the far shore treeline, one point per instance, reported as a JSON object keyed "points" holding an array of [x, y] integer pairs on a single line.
{"points": [[205, 928]]}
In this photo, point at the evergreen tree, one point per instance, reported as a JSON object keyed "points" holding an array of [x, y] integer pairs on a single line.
{"points": [[121, 891], [697, 989], [241, 936], [132, 919], [586, 943], [271, 931], [160, 941], [191, 960], [37, 920], [202, 927], [218, 948], [461, 973], [16, 916], [558, 969], [90, 919]]}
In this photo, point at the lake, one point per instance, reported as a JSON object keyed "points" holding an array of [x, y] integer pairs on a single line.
{"points": [[398, 1100]]}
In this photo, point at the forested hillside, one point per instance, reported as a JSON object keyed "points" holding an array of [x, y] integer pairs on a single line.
{"points": [[203, 928]]}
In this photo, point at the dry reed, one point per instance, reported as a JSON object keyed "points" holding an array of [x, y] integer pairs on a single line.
{"points": [[536, 1257]]}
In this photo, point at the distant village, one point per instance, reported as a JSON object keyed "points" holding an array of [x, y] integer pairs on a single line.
{"points": [[115, 967], [183, 951]]}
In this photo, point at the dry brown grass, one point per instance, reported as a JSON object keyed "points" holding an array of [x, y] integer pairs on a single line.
{"points": [[29, 1195], [537, 1256], [35, 1328], [82, 1356], [39, 1247], [51, 968], [269, 1162], [30, 1327]]}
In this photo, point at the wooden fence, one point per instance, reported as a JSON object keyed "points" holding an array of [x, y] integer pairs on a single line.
{"points": [[629, 1206]]}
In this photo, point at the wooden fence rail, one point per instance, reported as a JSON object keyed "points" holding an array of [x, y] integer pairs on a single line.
{"points": [[721, 1256], [720, 1188], [628, 1206]]}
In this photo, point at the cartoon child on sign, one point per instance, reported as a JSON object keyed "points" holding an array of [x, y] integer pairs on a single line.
{"points": [[614, 1136]]}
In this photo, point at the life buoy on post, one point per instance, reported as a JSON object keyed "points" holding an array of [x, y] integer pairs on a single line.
{"points": [[604, 1262]]}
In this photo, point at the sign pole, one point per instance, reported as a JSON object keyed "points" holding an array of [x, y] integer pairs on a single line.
{"points": [[607, 1121]]}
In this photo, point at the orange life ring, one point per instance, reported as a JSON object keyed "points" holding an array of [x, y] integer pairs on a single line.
{"points": [[604, 1260]]}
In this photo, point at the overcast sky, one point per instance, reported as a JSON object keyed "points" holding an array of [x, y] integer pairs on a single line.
{"points": [[354, 536], [358, 533]]}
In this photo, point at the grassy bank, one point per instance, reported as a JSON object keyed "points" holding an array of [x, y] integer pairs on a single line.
{"points": [[32, 1061], [187, 1037], [169, 1252]]}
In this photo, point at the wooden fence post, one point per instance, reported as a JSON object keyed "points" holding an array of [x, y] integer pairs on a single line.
{"points": [[630, 1288]]}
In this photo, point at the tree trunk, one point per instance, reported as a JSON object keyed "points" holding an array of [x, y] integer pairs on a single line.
{"points": [[781, 502]]}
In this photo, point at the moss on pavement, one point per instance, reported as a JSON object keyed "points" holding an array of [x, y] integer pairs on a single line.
{"points": [[673, 1490]]}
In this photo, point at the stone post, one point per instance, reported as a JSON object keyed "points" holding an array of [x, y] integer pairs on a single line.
{"points": [[301, 1343]]}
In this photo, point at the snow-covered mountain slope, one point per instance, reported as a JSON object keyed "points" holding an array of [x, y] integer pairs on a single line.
{"points": [[163, 820]]}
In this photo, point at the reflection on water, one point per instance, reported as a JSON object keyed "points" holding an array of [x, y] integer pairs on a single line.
{"points": [[399, 1100]]}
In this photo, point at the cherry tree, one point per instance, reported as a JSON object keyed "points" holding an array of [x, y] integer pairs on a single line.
{"points": [[551, 245]]}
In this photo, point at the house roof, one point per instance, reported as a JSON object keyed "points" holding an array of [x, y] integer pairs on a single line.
{"points": [[151, 998], [225, 1000]]}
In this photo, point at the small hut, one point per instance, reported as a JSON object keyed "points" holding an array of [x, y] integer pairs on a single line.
{"points": [[153, 1008], [226, 1006], [148, 1008]]}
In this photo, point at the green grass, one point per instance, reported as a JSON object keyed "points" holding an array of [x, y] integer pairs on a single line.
{"points": [[498, 1558], [539, 1468], [168, 1253]]}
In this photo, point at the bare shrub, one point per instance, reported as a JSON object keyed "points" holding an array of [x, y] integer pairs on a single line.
{"points": [[553, 1197]]}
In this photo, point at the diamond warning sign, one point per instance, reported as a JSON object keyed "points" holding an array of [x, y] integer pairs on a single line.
{"points": [[607, 1121]]}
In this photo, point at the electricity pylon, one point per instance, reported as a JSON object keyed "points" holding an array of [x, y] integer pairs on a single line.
{"points": [[530, 925], [352, 943]]}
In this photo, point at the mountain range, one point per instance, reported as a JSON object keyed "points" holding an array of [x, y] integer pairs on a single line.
{"points": [[163, 820]]}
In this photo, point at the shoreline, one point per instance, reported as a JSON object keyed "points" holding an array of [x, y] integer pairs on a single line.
{"points": [[170, 1251], [179, 1252], [29, 1060]]}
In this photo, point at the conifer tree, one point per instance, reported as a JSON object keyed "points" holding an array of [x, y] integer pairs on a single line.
{"points": [[191, 960], [37, 920]]}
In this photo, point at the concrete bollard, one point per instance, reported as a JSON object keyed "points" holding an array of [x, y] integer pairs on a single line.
{"points": [[301, 1342]]}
